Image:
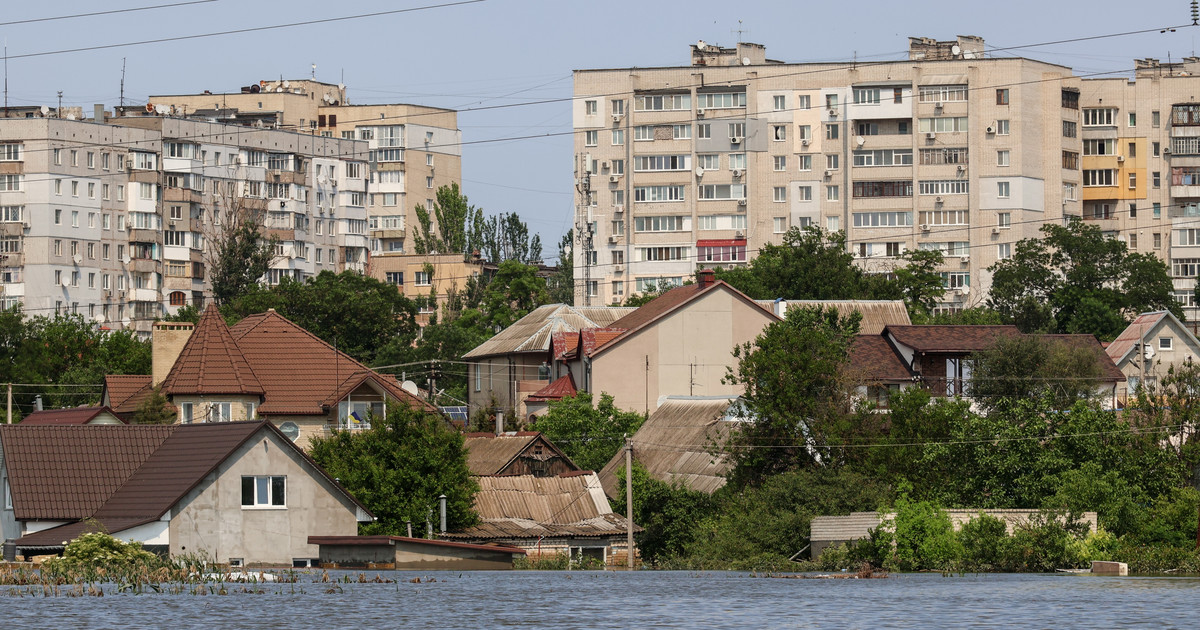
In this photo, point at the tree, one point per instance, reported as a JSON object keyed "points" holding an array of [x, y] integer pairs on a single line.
{"points": [[919, 282], [797, 400], [355, 313], [506, 237], [589, 435], [447, 337], [239, 253], [561, 285], [155, 409], [668, 514], [454, 227], [1076, 279], [1027, 366], [399, 467], [513, 292]]}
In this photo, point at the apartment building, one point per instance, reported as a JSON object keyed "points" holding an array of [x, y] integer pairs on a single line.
{"points": [[682, 168], [114, 218], [413, 149]]}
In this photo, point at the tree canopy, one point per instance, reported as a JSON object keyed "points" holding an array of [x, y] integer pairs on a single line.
{"points": [[1028, 366], [239, 254], [590, 434], [1077, 280]]}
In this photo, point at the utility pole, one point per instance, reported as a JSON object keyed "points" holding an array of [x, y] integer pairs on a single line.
{"points": [[10, 403], [629, 502], [583, 230], [122, 83], [58, 114]]}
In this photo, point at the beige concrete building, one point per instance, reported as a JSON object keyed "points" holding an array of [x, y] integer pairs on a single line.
{"points": [[416, 275], [681, 168], [413, 149], [1149, 348]]}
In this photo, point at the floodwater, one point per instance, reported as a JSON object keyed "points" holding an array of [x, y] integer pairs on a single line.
{"points": [[643, 599]]}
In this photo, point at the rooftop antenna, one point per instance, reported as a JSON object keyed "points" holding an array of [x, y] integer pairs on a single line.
{"points": [[58, 114], [739, 31], [314, 71], [122, 82], [6, 77]]}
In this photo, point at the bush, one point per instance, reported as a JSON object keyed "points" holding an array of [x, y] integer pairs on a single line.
{"points": [[984, 541], [97, 554], [924, 535], [1044, 544]]}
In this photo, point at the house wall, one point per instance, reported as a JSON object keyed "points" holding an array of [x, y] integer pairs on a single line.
{"points": [[202, 404], [685, 353], [9, 528], [212, 521], [498, 377], [1182, 349]]}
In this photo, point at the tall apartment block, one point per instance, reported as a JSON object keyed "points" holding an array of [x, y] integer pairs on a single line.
{"points": [[114, 218], [412, 149], [698, 166]]}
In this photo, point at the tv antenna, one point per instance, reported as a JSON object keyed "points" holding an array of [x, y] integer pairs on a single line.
{"points": [[739, 31], [122, 82]]}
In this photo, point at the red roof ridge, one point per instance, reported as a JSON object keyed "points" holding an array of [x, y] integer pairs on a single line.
{"points": [[562, 387], [209, 356]]}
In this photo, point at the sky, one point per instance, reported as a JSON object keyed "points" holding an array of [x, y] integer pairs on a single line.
{"points": [[520, 54]]}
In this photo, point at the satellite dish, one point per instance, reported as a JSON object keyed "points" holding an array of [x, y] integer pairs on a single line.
{"points": [[955, 50], [125, 259], [410, 387], [99, 318], [965, 290], [341, 86], [699, 172], [287, 84], [45, 110], [278, 89], [1148, 352], [745, 61], [65, 280], [125, 322], [860, 140], [77, 258], [162, 110]]}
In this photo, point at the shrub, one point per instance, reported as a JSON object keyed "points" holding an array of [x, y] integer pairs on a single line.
{"points": [[984, 541], [924, 535], [97, 553], [1045, 543]]}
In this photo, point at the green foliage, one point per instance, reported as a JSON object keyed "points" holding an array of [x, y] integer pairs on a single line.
{"points": [[1030, 367], [506, 237], [351, 311], [440, 339], [453, 228], [984, 544], [1046, 542], [974, 316], [589, 435], [1076, 279], [155, 409], [96, 553], [239, 255], [515, 290], [399, 466], [796, 398], [667, 514], [561, 285], [557, 561], [924, 536], [188, 313]]}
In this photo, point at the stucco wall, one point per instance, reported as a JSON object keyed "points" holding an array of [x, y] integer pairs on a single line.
{"points": [[211, 520]]}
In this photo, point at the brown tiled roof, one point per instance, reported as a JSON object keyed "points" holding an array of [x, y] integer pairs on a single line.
{"points": [[1108, 369], [950, 338], [126, 391], [1133, 333], [873, 360], [67, 473], [524, 506], [299, 372], [562, 387], [665, 304], [488, 453], [876, 314], [65, 417], [211, 363]]}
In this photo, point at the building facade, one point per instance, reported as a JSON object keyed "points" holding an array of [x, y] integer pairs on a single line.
{"points": [[681, 168], [115, 218]]}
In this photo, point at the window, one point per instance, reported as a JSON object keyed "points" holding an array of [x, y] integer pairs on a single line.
{"points": [[589, 107], [1002, 158], [737, 130], [1002, 189], [780, 162], [1156, 179], [780, 102], [722, 191], [943, 217], [704, 131], [665, 102], [778, 132], [1157, 240], [832, 193], [1099, 177], [657, 193], [1070, 160], [708, 161], [660, 224], [941, 93], [1133, 242], [1100, 147], [1070, 98], [663, 162], [866, 96], [1155, 149], [779, 194], [721, 100], [681, 132], [780, 225], [264, 491], [804, 193], [883, 189], [1099, 117], [882, 219], [804, 132], [591, 138], [422, 278], [58, 216], [643, 132], [944, 187], [737, 161], [1070, 191], [942, 124], [1003, 251], [1132, 180], [946, 155], [832, 161], [618, 137], [831, 131], [883, 157], [721, 253], [804, 162], [1001, 127], [618, 107], [1070, 129], [1132, 119], [1002, 96], [58, 157], [1164, 343]]}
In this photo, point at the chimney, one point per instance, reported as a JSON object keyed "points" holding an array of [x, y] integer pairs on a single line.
{"points": [[166, 342], [780, 308], [499, 422], [98, 112], [705, 278], [442, 509]]}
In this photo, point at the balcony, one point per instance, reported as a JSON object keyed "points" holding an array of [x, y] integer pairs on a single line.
{"points": [[13, 229], [144, 235], [144, 265], [184, 195], [1185, 181]]}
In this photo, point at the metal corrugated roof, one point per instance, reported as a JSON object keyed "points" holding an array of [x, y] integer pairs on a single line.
{"points": [[1141, 326], [533, 332], [875, 313], [673, 444], [488, 454], [524, 506]]}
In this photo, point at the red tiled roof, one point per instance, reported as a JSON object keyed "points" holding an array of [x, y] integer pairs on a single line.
{"points": [[873, 359], [126, 391], [563, 387], [592, 338], [65, 417], [1109, 370], [949, 338], [301, 374], [564, 344], [211, 363]]}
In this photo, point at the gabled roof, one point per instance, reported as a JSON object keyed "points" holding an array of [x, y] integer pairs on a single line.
{"points": [[488, 453], [666, 304], [562, 387], [876, 314], [533, 332], [67, 417], [120, 476], [949, 338], [675, 441], [300, 373], [1143, 325], [211, 363], [1108, 368], [126, 391], [524, 506], [875, 361]]}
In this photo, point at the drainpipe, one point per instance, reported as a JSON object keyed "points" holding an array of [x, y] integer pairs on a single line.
{"points": [[442, 508]]}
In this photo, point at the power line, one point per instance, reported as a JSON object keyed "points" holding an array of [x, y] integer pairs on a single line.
{"points": [[110, 12]]}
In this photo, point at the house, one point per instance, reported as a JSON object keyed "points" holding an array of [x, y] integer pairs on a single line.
{"points": [[538, 403], [515, 453], [411, 554], [75, 416], [676, 444], [876, 314], [938, 357], [680, 343], [239, 492], [827, 531], [518, 360], [123, 393], [263, 367], [546, 515], [1149, 347]]}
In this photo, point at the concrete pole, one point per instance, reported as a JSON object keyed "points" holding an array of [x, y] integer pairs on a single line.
{"points": [[629, 502], [10, 403], [442, 508]]}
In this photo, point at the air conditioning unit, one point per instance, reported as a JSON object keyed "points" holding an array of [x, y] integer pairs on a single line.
{"points": [[612, 179], [1166, 150], [833, 112], [964, 259], [938, 200], [741, 203], [614, 238], [929, 135], [804, 142], [617, 117], [828, 174], [106, 294], [1120, 159], [619, 268], [990, 130], [605, 165], [937, 105], [737, 172], [996, 230], [735, 139], [924, 227], [699, 113], [619, 210], [739, 234]]}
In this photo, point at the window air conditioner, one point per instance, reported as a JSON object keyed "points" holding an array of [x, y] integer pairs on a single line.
{"points": [[938, 200], [741, 203], [735, 139], [996, 229], [1120, 159], [964, 259], [833, 112], [929, 135], [990, 130], [737, 172], [924, 227], [828, 174], [612, 179], [937, 105], [699, 113], [617, 118], [613, 239], [619, 268], [804, 142]]}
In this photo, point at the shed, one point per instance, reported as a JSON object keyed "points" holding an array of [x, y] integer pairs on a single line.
{"points": [[416, 554]]}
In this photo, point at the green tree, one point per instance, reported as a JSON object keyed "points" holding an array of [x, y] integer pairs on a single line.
{"points": [[589, 434], [1075, 279], [454, 227], [155, 409], [513, 292], [1029, 366], [561, 285], [668, 514], [506, 237], [447, 337], [797, 400], [919, 282], [399, 467], [239, 254]]}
